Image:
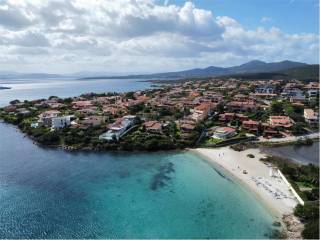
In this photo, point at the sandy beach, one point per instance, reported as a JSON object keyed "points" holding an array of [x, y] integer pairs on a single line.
{"points": [[271, 191]]}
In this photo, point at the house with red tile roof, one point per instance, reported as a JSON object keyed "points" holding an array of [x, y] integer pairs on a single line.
{"points": [[251, 126], [242, 106], [153, 126], [47, 116], [81, 104], [281, 121], [228, 117]]}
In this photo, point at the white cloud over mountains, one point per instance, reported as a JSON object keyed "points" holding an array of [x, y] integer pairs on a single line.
{"points": [[133, 36]]}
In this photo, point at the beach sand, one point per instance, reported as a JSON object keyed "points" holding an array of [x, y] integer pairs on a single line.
{"points": [[271, 191]]}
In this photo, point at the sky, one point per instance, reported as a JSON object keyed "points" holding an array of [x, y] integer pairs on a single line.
{"points": [[147, 36]]}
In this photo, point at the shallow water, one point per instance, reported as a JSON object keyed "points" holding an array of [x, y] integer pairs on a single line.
{"points": [[47, 193], [299, 154]]}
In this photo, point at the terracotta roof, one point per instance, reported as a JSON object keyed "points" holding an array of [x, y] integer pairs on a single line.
{"points": [[280, 121], [204, 106], [251, 122]]}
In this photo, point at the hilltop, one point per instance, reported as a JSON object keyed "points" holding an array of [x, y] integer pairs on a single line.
{"points": [[254, 66]]}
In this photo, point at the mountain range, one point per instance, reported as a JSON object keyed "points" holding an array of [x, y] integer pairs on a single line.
{"points": [[285, 68], [251, 67]]}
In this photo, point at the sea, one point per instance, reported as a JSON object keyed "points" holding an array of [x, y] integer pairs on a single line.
{"points": [[30, 89], [304, 154], [51, 193]]}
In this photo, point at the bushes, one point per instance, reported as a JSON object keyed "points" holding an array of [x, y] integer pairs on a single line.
{"points": [[298, 128], [301, 142], [13, 119], [311, 230], [307, 212], [309, 215], [146, 141], [276, 108], [136, 108], [49, 138], [37, 132]]}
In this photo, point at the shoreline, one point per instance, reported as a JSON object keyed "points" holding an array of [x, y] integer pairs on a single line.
{"points": [[243, 183], [256, 182]]}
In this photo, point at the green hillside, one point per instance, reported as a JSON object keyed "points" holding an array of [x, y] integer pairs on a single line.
{"points": [[308, 72], [305, 72]]}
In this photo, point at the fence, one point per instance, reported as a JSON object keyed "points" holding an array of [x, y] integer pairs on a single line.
{"points": [[291, 188]]}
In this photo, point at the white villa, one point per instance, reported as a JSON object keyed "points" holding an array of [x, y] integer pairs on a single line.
{"points": [[224, 132], [60, 122], [117, 129], [311, 116]]}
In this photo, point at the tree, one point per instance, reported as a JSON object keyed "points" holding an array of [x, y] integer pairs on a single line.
{"points": [[309, 214], [51, 97], [276, 108], [298, 128], [14, 102], [311, 230], [136, 108], [220, 108], [129, 95], [49, 138]]}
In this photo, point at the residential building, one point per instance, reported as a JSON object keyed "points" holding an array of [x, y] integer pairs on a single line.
{"points": [[242, 106], [292, 93], [311, 116], [46, 117], [23, 111], [60, 122], [270, 131], [224, 132], [117, 129], [265, 90], [313, 94], [281, 121], [81, 104], [93, 121], [228, 117], [251, 126], [153, 126]]}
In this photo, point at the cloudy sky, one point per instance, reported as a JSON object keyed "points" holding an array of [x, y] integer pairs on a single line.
{"points": [[143, 36]]}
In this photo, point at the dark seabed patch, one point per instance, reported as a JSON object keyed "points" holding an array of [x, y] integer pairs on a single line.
{"points": [[222, 175], [161, 178], [53, 194]]}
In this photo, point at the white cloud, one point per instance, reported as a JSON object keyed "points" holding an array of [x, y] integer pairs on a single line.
{"points": [[265, 19], [135, 35]]}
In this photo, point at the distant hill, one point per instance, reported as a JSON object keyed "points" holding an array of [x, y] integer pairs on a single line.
{"points": [[307, 72], [15, 75], [253, 69], [254, 66]]}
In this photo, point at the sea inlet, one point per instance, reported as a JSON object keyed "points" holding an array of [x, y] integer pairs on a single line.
{"points": [[50, 193]]}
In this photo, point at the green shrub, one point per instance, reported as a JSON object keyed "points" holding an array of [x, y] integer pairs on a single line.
{"points": [[307, 212], [311, 230], [49, 138]]}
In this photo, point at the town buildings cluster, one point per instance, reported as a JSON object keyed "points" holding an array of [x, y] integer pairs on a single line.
{"points": [[224, 107]]}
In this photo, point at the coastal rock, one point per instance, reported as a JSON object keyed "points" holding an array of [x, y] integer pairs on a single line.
{"points": [[293, 226]]}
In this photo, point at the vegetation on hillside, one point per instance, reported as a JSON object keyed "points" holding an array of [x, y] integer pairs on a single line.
{"points": [[305, 180]]}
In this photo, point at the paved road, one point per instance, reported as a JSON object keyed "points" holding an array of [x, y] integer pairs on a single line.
{"points": [[289, 139]]}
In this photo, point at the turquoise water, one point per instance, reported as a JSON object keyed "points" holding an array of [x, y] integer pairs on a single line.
{"points": [[47, 193]]}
